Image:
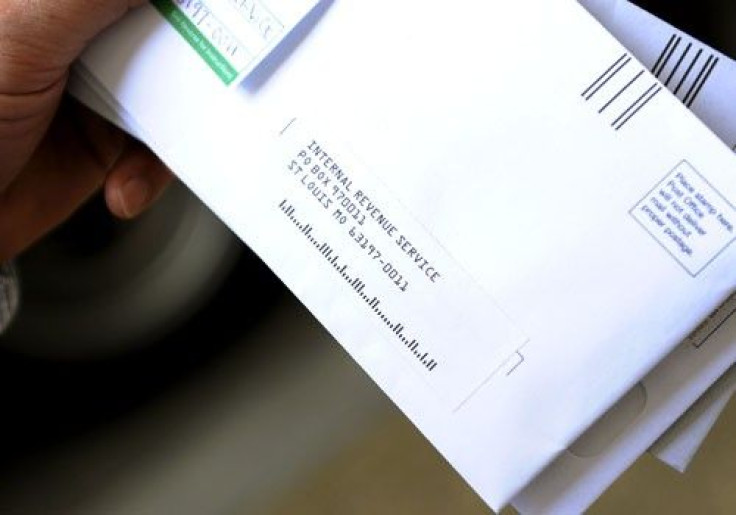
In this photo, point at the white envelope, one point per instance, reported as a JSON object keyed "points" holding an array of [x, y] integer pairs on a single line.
{"points": [[577, 478], [678, 446], [550, 256]]}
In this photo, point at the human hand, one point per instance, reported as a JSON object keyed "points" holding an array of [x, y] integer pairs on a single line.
{"points": [[54, 153]]}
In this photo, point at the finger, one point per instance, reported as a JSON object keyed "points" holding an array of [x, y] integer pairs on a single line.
{"points": [[23, 121], [40, 39], [136, 181], [70, 165]]}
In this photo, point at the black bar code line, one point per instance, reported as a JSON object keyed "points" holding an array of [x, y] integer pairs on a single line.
{"points": [[603, 75], [633, 106], [608, 79], [664, 52], [638, 109], [669, 56], [621, 92], [679, 63], [703, 82], [697, 79], [688, 72]]}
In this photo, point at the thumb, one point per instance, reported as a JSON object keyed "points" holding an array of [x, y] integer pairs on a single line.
{"points": [[40, 39]]}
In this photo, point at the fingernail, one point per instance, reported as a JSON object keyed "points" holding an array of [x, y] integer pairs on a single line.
{"points": [[134, 196]]}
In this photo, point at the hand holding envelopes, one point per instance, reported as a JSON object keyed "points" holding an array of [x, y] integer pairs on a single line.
{"points": [[502, 222]]}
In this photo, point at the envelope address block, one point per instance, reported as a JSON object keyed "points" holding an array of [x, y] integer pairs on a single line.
{"points": [[392, 268]]}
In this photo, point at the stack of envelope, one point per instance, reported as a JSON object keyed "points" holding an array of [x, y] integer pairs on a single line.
{"points": [[517, 217]]}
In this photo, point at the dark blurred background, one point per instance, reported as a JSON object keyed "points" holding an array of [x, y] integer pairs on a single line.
{"points": [[115, 313], [711, 21]]}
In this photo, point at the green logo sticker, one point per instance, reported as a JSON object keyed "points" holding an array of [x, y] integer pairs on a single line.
{"points": [[207, 35]]}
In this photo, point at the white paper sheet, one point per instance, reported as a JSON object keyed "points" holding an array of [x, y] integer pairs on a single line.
{"points": [[575, 481], [437, 146], [679, 445]]}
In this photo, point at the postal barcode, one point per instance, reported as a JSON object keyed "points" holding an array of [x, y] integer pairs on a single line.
{"points": [[622, 91], [374, 303]]}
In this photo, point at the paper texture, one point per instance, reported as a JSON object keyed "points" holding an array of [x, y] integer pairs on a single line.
{"points": [[443, 152]]}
